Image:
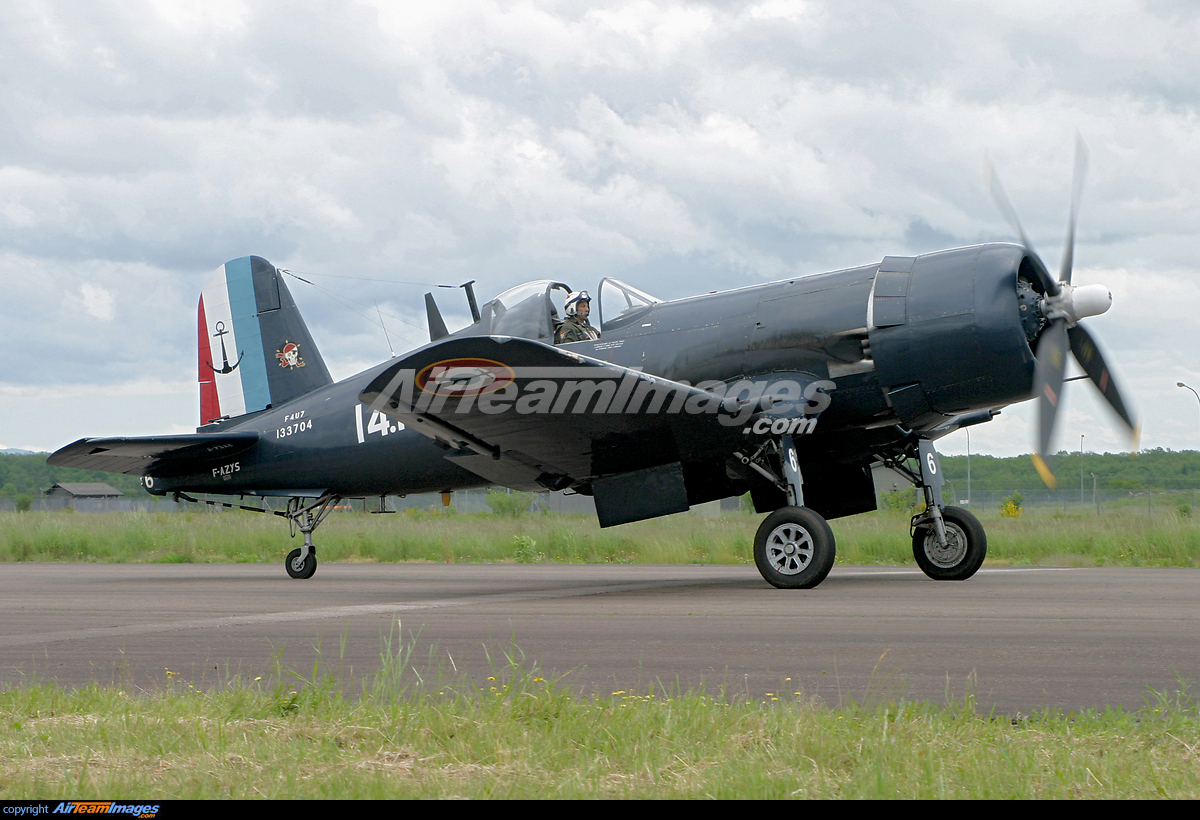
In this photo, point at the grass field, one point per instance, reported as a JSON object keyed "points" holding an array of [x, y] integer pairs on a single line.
{"points": [[1043, 537], [300, 736], [519, 736]]}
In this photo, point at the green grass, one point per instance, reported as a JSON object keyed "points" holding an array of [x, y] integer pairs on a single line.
{"points": [[1045, 537], [398, 734], [519, 736]]}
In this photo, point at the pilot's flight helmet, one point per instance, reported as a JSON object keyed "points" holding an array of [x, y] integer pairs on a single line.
{"points": [[574, 299]]}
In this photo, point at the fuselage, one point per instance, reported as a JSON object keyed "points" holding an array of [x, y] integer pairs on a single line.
{"points": [[909, 344]]}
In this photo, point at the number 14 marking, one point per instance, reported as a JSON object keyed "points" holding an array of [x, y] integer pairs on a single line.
{"points": [[378, 423]]}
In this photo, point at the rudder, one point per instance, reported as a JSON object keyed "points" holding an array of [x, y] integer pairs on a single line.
{"points": [[254, 349]]}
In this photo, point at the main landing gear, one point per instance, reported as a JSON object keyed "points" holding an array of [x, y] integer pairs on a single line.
{"points": [[794, 547], [949, 543], [960, 555]]}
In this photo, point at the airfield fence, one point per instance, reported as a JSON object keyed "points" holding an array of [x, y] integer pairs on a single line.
{"points": [[142, 503], [464, 501], [1155, 498], [1160, 495]]}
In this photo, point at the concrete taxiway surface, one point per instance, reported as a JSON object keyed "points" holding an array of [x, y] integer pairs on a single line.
{"points": [[1021, 638]]}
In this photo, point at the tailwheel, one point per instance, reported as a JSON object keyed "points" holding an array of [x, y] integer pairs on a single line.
{"points": [[962, 554], [794, 548], [302, 562], [301, 567]]}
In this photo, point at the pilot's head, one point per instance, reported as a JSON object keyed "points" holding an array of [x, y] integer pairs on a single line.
{"points": [[579, 304]]}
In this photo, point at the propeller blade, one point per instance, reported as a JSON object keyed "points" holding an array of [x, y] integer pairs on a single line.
{"points": [[1081, 158], [1001, 200], [1047, 385], [1049, 285], [1088, 354]]}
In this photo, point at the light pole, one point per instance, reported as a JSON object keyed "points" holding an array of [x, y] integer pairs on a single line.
{"points": [[968, 467], [1197, 395], [1185, 387], [1080, 469]]}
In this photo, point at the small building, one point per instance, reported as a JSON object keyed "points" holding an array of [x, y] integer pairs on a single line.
{"points": [[92, 497]]}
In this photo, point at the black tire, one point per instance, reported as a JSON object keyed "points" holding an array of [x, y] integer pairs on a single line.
{"points": [[966, 544], [296, 569], [794, 548]]}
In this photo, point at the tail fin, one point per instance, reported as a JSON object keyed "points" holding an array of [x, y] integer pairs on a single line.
{"points": [[254, 348]]}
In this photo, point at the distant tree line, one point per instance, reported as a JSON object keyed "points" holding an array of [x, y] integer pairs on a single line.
{"points": [[31, 476], [1156, 469]]}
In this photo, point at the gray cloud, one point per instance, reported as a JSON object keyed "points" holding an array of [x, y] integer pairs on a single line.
{"points": [[684, 147]]}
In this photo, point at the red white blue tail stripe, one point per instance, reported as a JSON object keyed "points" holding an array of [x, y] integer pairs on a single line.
{"points": [[232, 368]]}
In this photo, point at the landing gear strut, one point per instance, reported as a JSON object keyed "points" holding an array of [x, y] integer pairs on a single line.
{"points": [[794, 547], [302, 562]]}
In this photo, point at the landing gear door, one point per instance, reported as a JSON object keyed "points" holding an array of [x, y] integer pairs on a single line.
{"points": [[931, 470]]}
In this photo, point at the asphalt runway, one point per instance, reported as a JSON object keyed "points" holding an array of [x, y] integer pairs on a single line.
{"points": [[1019, 638]]}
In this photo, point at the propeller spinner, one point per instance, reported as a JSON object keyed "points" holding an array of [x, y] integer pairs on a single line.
{"points": [[1063, 306]]}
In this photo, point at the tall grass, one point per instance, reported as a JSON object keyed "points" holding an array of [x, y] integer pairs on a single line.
{"points": [[518, 735], [1124, 538]]}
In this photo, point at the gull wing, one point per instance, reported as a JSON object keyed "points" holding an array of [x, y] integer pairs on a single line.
{"points": [[531, 416]]}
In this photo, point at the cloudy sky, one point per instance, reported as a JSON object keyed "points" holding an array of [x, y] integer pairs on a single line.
{"points": [[683, 147]]}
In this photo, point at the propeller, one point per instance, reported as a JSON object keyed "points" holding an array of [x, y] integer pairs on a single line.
{"points": [[1063, 305]]}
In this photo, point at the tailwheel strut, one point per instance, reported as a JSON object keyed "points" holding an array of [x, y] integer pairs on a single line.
{"points": [[302, 562]]}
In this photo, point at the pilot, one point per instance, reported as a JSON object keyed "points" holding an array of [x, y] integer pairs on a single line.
{"points": [[576, 328]]}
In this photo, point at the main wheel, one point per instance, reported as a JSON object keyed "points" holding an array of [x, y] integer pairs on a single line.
{"points": [[794, 548], [966, 547], [301, 569]]}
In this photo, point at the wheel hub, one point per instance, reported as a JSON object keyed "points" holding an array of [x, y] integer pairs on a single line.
{"points": [[953, 553], [789, 549]]}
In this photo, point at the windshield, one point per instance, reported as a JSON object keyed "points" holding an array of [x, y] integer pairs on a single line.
{"points": [[620, 303]]}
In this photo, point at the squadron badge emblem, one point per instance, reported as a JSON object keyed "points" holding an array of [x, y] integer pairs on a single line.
{"points": [[289, 355]]}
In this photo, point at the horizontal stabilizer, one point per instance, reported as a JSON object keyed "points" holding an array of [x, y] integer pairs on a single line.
{"points": [[143, 455]]}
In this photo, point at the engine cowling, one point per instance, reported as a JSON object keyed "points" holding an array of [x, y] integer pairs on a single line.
{"points": [[946, 331]]}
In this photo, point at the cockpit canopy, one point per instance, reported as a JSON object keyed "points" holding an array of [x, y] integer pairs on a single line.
{"points": [[526, 311], [533, 310]]}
